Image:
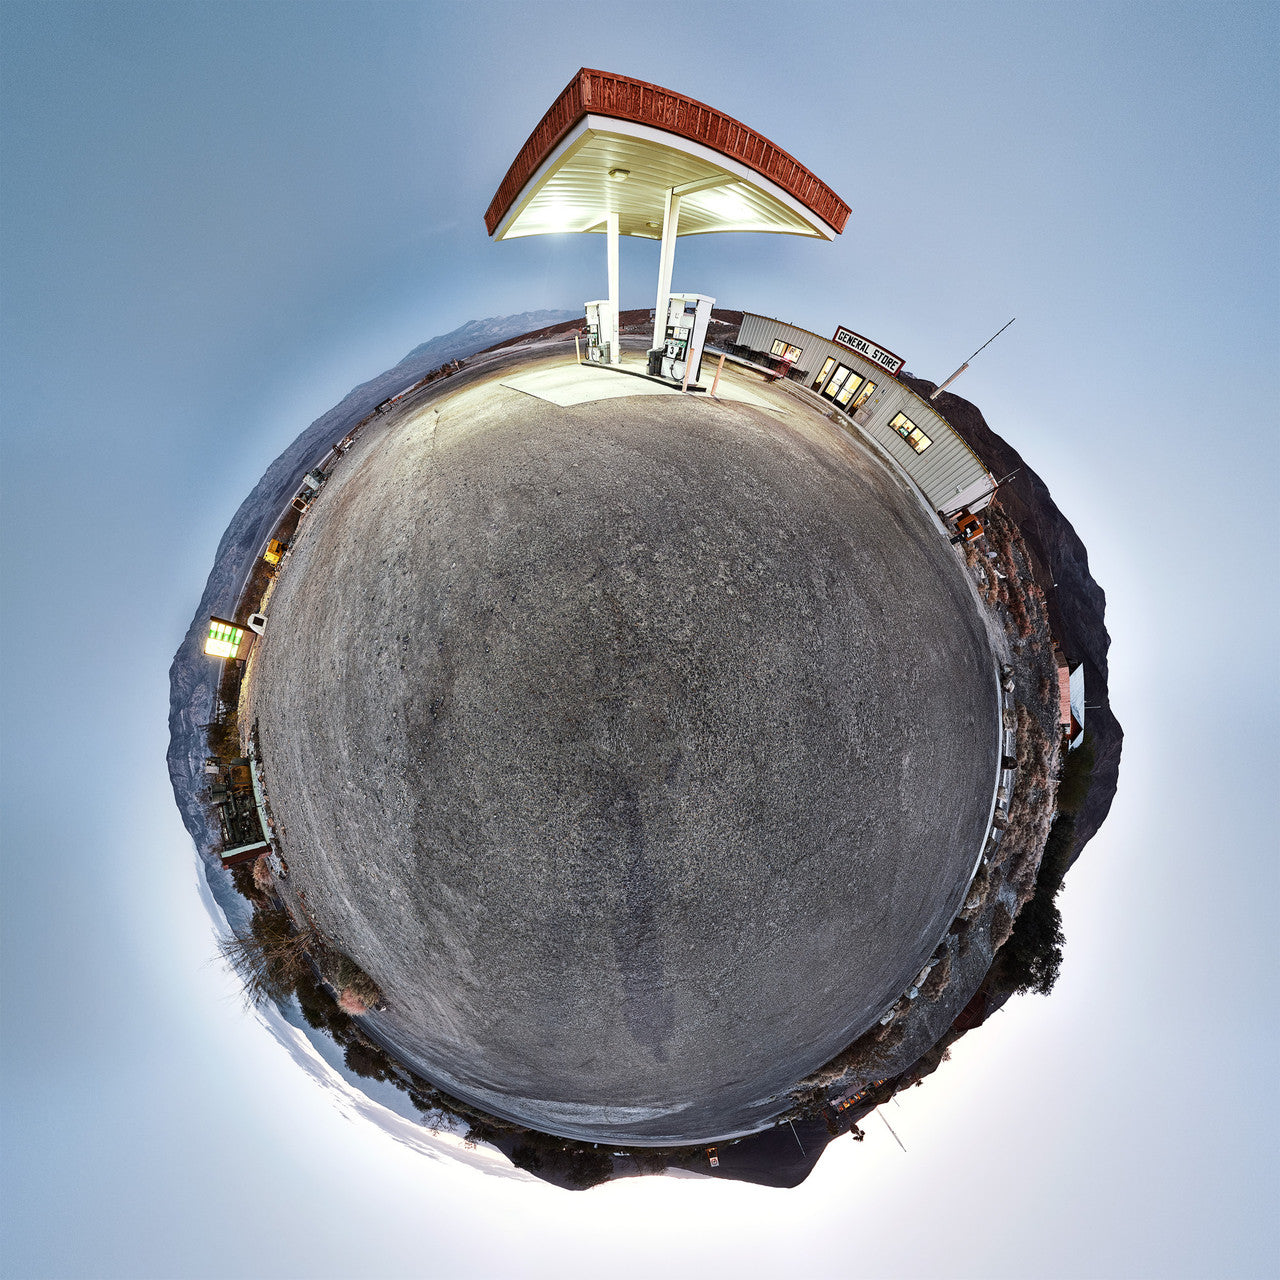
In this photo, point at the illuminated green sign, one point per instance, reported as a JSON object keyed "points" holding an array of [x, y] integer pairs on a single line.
{"points": [[224, 639]]}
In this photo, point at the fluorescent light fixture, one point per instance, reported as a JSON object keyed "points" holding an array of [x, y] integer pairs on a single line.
{"points": [[619, 175], [727, 203]]}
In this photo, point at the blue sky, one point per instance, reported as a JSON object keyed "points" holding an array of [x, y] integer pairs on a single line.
{"points": [[215, 219]]}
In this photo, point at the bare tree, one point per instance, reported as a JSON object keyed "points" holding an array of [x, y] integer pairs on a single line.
{"points": [[271, 956]]}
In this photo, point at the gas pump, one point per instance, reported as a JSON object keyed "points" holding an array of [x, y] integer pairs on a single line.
{"points": [[688, 315], [601, 332]]}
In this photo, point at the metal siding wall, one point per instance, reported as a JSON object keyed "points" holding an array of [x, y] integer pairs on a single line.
{"points": [[760, 334], [944, 469]]}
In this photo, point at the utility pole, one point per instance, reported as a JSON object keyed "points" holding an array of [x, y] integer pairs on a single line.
{"points": [[888, 1126], [796, 1136]]}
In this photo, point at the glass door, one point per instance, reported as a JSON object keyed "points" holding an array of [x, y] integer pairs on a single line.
{"points": [[836, 381], [851, 384]]}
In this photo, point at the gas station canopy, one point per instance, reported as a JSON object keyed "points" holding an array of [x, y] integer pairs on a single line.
{"points": [[611, 145]]}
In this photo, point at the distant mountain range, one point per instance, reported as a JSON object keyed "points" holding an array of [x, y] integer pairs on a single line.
{"points": [[192, 678], [476, 335]]}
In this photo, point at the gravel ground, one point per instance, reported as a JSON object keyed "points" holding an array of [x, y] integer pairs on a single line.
{"points": [[640, 750]]}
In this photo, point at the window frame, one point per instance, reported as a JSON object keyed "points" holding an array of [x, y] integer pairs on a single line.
{"points": [[847, 392], [912, 430], [787, 348], [825, 389]]}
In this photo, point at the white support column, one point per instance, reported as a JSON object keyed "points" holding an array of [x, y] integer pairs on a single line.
{"points": [[611, 235], [666, 263]]}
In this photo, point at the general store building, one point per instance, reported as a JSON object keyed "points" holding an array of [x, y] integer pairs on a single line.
{"points": [[860, 380]]}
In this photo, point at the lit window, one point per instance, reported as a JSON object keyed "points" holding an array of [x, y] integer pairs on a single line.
{"points": [[867, 389], [828, 365], [785, 351], [223, 639], [910, 432]]}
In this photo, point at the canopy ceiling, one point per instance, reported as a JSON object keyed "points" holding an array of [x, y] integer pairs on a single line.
{"points": [[651, 141]]}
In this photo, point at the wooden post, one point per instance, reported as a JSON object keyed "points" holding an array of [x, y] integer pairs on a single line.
{"points": [[716, 383]]}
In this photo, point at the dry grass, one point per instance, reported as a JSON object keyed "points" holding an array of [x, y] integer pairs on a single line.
{"points": [[350, 1002], [1001, 926], [262, 877], [938, 980]]}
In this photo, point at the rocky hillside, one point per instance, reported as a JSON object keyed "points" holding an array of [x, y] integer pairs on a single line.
{"points": [[1077, 604]]}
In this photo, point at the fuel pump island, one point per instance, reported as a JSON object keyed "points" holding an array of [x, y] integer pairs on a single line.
{"points": [[623, 157]]}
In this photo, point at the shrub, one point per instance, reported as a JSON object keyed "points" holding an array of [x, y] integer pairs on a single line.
{"points": [[244, 881], [568, 1164], [223, 737], [321, 1010], [524, 1156], [350, 1002], [261, 873], [939, 977], [479, 1130], [1001, 926], [352, 981], [1057, 854], [367, 1060], [1032, 957], [863, 1057], [648, 1160], [1077, 774]]}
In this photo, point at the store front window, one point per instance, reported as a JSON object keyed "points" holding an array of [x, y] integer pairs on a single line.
{"points": [[864, 392], [785, 351], [910, 432]]}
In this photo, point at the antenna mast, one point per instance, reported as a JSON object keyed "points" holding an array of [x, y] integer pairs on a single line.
{"points": [[964, 366]]}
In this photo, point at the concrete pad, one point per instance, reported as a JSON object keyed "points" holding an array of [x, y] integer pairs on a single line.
{"points": [[640, 751], [570, 384]]}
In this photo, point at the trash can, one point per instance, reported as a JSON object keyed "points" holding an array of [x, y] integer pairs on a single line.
{"points": [[655, 361]]}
